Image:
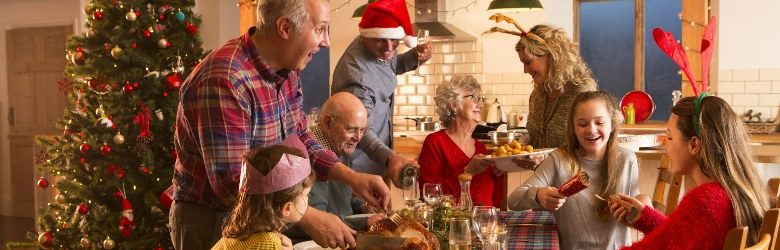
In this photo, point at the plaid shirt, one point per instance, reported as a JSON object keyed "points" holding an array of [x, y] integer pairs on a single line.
{"points": [[231, 102]]}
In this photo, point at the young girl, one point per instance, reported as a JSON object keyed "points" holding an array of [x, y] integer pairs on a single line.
{"points": [[591, 146], [274, 186], [710, 146]]}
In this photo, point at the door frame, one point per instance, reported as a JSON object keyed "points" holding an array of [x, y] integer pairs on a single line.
{"points": [[6, 206]]}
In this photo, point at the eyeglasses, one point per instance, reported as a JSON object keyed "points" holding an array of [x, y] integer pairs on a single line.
{"points": [[475, 97], [350, 130]]}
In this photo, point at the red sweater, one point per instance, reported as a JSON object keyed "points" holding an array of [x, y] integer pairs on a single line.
{"points": [[441, 160], [701, 221]]}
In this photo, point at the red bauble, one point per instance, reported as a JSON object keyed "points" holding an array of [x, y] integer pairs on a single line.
{"points": [[79, 49], [134, 45], [79, 58], [146, 33], [105, 149], [120, 173], [165, 200], [191, 28], [118, 195], [135, 84], [174, 154], [43, 183], [159, 248], [84, 148], [165, 94], [83, 160], [99, 85], [98, 15], [106, 47], [174, 83], [128, 88], [143, 169], [82, 209], [46, 240], [161, 17]]}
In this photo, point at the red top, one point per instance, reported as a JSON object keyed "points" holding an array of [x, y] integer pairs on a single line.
{"points": [[701, 221], [441, 160]]}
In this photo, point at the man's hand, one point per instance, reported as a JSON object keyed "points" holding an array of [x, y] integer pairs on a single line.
{"points": [[369, 187], [549, 198], [374, 218], [424, 52], [327, 230], [531, 162], [394, 165]]}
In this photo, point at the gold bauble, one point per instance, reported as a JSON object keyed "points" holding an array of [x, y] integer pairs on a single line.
{"points": [[59, 198], [131, 16], [84, 242], [119, 138], [116, 52], [109, 244]]}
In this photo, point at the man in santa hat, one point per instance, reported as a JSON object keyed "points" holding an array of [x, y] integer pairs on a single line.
{"points": [[368, 70]]}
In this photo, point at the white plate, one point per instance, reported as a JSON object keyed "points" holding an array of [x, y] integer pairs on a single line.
{"points": [[309, 245], [505, 162]]}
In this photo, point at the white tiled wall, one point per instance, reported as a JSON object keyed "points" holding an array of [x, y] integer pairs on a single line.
{"points": [[414, 95], [751, 89]]}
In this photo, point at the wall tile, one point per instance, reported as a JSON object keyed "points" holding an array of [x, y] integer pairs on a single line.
{"points": [[406, 90], [738, 110], [400, 100], [522, 88], [407, 110], [496, 78], [758, 87], [463, 46], [425, 69], [401, 79], [429, 99], [513, 78], [412, 79], [513, 100], [745, 75], [464, 68], [770, 100], [453, 58], [503, 89], [769, 74], [776, 87], [416, 99], [725, 97], [425, 110], [444, 69], [425, 89], [724, 75], [745, 100], [435, 58], [731, 87], [442, 47]]}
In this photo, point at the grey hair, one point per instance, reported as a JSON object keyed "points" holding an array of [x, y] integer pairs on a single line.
{"points": [[270, 11], [449, 92]]}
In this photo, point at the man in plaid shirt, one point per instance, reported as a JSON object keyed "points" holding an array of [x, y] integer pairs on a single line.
{"points": [[244, 94]]}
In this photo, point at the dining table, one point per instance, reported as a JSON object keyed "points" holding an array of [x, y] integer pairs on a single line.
{"points": [[530, 229]]}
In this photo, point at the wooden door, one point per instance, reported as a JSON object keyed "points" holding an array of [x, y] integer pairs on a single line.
{"points": [[36, 60]]}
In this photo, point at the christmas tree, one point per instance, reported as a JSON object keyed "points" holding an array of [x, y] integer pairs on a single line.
{"points": [[115, 157]]}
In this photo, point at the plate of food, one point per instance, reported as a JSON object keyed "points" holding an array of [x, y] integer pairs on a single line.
{"points": [[503, 155], [309, 245]]}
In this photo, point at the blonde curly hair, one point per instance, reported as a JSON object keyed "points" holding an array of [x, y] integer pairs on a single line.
{"points": [[565, 63], [449, 92]]}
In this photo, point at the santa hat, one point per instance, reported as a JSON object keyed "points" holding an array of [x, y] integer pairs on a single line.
{"points": [[388, 19], [126, 205]]}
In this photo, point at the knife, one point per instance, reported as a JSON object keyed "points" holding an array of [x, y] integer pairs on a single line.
{"points": [[378, 242]]}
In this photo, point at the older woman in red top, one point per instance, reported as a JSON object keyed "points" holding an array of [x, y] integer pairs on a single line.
{"points": [[451, 151]]}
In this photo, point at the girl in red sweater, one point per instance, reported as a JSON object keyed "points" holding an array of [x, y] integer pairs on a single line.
{"points": [[707, 141]]}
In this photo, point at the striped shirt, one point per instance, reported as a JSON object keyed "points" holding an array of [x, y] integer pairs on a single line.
{"points": [[233, 101], [260, 241]]}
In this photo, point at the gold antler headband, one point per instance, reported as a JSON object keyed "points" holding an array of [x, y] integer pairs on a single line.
{"points": [[498, 17]]}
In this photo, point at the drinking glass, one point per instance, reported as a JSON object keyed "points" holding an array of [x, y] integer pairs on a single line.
{"points": [[484, 219], [500, 234], [460, 234], [412, 193], [422, 39], [432, 192]]}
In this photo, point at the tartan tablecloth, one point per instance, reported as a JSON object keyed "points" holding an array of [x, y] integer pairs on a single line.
{"points": [[530, 229]]}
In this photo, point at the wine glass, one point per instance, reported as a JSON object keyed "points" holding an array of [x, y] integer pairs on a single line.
{"points": [[500, 236], [422, 39], [460, 235], [432, 192], [484, 219], [412, 193]]}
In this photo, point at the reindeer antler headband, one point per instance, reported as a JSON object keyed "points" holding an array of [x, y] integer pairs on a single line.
{"points": [[498, 17], [674, 50]]}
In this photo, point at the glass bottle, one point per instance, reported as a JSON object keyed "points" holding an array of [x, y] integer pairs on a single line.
{"points": [[465, 202], [676, 95]]}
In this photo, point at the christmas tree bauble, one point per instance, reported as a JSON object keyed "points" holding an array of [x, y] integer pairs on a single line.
{"points": [[128, 88], [173, 81], [59, 198], [84, 242], [180, 16], [131, 16], [89, 32], [84, 148], [191, 28], [43, 183], [78, 58], [100, 111], [45, 239], [116, 52], [99, 85], [83, 209], [146, 33], [108, 243], [162, 43], [98, 15], [105, 149], [119, 138]]}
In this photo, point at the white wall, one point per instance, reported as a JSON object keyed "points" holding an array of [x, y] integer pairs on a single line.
{"points": [[219, 22], [21, 14], [747, 31]]}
